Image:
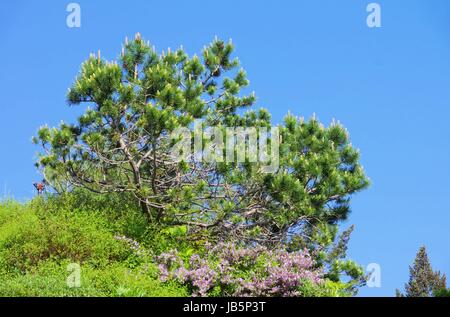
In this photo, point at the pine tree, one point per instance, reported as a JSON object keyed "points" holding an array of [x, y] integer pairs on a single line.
{"points": [[423, 281], [122, 144]]}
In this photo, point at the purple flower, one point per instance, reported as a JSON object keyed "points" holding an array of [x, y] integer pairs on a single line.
{"points": [[241, 271]]}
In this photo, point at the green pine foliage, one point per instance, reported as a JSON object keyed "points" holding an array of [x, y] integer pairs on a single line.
{"points": [[122, 145]]}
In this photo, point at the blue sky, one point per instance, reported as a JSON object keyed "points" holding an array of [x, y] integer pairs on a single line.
{"points": [[389, 86]]}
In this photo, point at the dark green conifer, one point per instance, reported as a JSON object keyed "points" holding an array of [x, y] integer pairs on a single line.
{"points": [[423, 281]]}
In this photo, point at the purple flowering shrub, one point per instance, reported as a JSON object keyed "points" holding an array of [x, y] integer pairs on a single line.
{"points": [[228, 270]]}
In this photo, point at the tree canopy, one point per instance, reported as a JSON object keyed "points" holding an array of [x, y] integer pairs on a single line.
{"points": [[124, 140]]}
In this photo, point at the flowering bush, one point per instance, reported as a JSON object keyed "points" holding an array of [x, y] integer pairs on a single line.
{"points": [[133, 244], [227, 270]]}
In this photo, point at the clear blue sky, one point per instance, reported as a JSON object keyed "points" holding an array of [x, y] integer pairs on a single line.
{"points": [[389, 86]]}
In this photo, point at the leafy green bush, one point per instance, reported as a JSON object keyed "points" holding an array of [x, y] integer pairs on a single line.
{"points": [[120, 213], [117, 251], [50, 279], [31, 234], [39, 239], [8, 210], [121, 216]]}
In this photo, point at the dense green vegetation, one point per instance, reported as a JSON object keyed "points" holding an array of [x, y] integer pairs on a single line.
{"points": [[143, 217], [39, 239], [118, 253]]}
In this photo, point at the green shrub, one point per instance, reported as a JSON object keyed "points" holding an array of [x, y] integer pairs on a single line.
{"points": [[32, 235], [326, 289], [10, 209], [50, 279], [40, 238], [114, 246], [122, 215]]}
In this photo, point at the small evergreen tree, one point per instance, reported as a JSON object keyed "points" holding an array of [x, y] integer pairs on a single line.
{"points": [[423, 281]]}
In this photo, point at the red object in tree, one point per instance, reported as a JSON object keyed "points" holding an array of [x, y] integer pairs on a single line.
{"points": [[39, 187]]}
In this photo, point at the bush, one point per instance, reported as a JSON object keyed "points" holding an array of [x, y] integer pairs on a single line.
{"points": [[119, 211], [227, 270], [39, 239], [121, 216], [50, 279], [118, 254], [31, 234]]}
